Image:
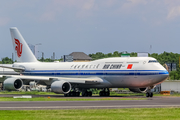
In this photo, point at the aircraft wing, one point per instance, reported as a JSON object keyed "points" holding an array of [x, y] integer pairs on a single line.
{"points": [[14, 68], [90, 80]]}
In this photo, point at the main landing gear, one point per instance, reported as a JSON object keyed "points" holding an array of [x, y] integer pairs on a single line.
{"points": [[86, 93], [104, 92], [72, 94], [75, 93]]}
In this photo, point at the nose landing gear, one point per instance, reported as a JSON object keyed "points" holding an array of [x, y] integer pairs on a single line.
{"points": [[148, 92]]}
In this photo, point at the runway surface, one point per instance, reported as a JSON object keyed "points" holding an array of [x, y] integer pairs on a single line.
{"points": [[154, 102]]}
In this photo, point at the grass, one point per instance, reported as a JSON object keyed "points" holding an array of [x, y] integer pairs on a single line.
{"points": [[66, 99], [126, 95], [111, 94], [93, 114], [28, 92], [52, 93], [172, 94]]}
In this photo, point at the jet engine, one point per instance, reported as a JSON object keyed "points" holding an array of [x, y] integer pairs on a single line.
{"points": [[138, 90], [13, 84], [61, 87]]}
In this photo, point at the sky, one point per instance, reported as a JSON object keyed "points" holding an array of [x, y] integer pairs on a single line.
{"points": [[90, 26]]}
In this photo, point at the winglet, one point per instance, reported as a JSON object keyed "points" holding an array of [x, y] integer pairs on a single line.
{"points": [[22, 50]]}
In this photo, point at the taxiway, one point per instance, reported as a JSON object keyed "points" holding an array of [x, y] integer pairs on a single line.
{"points": [[154, 102]]}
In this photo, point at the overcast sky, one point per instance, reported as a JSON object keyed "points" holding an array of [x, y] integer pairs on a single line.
{"points": [[90, 26]]}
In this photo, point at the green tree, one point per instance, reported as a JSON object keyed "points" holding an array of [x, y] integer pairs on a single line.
{"points": [[7, 60], [174, 75], [133, 54]]}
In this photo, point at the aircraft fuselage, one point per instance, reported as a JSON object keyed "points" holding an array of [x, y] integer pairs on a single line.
{"points": [[121, 72]]}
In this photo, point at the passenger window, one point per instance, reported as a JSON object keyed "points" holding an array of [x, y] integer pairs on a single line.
{"points": [[90, 66], [94, 66], [75, 66], [153, 61], [86, 66], [79, 66], [83, 66]]}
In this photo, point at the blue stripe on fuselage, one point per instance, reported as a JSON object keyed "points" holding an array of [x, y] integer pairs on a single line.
{"points": [[94, 72]]}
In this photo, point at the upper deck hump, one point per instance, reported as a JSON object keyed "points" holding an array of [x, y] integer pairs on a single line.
{"points": [[124, 59]]}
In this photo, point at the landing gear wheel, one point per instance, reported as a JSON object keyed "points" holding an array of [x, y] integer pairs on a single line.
{"points": [[77, 94], [100, 93], [151, 94], [104, 92], [147, 94], [89, 93], [72, 94], [86, 94]]}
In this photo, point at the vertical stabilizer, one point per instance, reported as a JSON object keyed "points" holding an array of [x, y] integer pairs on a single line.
{"points": [[22, 50]]}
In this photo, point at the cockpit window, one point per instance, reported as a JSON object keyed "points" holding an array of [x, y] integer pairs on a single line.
{"points": [[153, 61]]}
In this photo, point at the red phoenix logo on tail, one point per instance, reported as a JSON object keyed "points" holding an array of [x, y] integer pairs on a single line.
{"points": [[18, 48]]}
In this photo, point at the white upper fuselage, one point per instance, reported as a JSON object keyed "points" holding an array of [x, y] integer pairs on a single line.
{"points": [[118, 71]]}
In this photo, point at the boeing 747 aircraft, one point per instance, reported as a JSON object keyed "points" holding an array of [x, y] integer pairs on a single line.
{"points": [[139, 74]]}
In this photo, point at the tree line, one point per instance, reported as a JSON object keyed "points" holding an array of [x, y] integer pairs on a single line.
{"points": [[163, 58], [7, 60]]}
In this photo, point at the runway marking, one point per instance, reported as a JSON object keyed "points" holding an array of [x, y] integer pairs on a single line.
{"points": [[82, 107]]}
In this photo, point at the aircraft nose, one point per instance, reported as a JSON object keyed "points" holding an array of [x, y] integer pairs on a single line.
{"points": [[165, 75]]}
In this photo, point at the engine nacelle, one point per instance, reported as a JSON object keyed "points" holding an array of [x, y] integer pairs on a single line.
{"points": [[12, 84], [138, 90], [61, 87]]}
